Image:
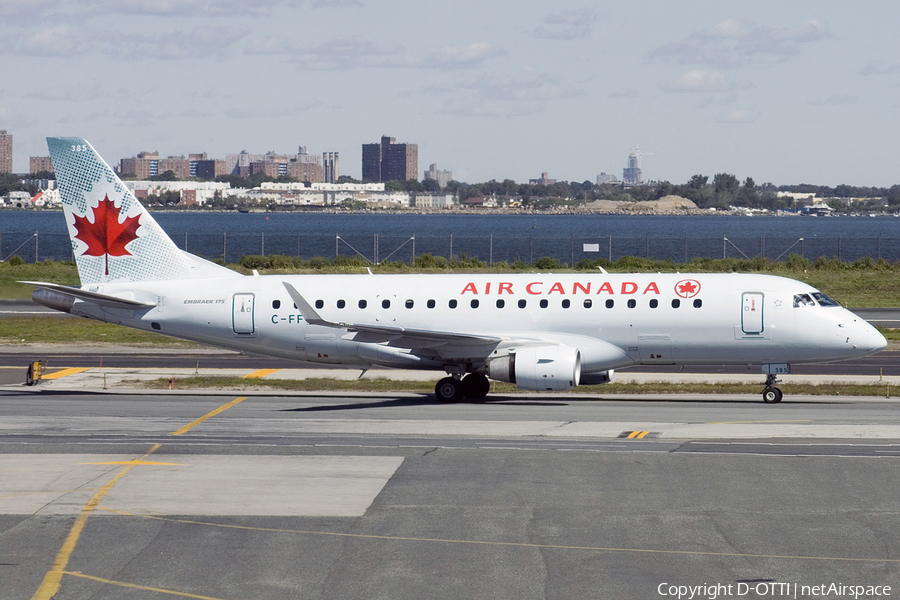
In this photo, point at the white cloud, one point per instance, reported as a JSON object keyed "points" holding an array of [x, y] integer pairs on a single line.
{"points": [[624, 93], [201, 42], [741, 115], [271, 44], [60, 40], [880, 67], [737, 42], [523, 93], [185, 8], [704, 81], [354, 52], [24, 8], [336, 3], [834, 100], [570, 24], [254, 112]]}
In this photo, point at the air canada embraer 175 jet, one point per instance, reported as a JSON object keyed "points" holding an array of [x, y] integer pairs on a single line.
{"points": [[540, 331]]}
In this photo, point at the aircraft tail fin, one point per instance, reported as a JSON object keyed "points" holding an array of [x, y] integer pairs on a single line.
{"points": [[113, 236]]}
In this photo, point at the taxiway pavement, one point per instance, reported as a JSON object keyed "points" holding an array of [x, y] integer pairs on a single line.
{"points": [[395, 496]]}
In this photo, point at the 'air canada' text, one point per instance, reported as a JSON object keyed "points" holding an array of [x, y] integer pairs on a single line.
{"points": [[538, 288]]}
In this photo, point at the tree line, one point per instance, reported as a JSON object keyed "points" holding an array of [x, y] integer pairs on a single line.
{"points": [[722, 191]]}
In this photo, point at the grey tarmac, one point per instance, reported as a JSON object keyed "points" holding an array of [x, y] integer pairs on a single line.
{"points": [[395, 496]]}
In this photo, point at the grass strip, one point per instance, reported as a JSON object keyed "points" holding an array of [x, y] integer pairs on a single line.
{"points": [[385, 385], [55, 330]]}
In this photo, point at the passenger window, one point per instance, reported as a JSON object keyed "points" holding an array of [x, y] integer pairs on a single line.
{"points": [[430, 304], [320, 303], [588, 303], [385, 303], [523, 303], [698, 303], [544, 303], [362, 303], [566, 303], [276, 303], [610, 303], [654, 303], [632, 303], [474, 303], [409, 304], [501, 303], [453, 304], [676, 303], [341, 304]]}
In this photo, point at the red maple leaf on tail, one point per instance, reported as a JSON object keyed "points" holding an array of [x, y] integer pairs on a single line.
{"points": [[106, 236]]}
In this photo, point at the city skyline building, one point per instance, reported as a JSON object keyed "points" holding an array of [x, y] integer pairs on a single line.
{"points": [[442, 177], [331, 171], [544, 180], [389, 161], [6, 151], [36, 164]]}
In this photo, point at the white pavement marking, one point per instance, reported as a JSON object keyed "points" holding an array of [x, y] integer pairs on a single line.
{"points": [[314, 486]]}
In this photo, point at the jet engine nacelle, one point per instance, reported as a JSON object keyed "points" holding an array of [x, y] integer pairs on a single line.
{"points": [[596, 378], [539, 368]]}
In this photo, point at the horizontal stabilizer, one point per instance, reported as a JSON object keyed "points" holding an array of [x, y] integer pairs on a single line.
{"points": [[93, 297]]}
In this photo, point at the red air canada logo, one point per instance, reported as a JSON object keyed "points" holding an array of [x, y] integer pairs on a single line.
{"points": [[687, 288], [106, 236]]}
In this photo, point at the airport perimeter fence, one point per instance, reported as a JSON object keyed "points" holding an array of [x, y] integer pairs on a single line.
{"points": [[490, 249]]}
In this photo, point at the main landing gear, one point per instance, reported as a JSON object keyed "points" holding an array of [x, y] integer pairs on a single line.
{"points": [[771, 395], [473, 386]]}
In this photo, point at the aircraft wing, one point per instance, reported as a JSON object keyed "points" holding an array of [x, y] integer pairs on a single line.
{"points": [[398, 336], [93, 297]]}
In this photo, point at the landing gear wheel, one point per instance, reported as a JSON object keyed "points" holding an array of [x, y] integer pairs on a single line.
{"points": [[475, 386], [771, 395], [448, 390]]}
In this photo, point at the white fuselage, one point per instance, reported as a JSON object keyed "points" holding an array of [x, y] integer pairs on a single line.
{"points": [[614, 320]]}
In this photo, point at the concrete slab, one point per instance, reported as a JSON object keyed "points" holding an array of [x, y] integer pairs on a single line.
{"points": [[308, 486]]}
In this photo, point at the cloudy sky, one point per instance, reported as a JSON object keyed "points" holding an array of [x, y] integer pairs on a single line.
{"points": [[784, 92]]}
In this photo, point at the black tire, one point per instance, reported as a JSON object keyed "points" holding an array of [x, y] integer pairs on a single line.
{"points": [[475, 386], [448, 390], [772, 395]]}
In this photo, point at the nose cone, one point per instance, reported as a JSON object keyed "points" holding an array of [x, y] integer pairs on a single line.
{"points": [[872, 341]]}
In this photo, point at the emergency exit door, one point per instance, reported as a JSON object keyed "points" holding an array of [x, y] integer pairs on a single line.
{"points": [[242, 313], [752, 321]]}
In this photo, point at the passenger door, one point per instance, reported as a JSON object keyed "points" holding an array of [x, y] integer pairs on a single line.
{"points": [[752, 319], [242, 314]]}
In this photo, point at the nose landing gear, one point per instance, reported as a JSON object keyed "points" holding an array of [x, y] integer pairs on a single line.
{"points": [[771, 394]]}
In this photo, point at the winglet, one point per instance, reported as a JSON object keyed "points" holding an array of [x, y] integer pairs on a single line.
{"points": [[308, 312]]}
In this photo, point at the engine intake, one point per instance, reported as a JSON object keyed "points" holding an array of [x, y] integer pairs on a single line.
{"points": [[539, 368]]}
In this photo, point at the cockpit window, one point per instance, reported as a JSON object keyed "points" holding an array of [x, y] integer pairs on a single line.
{"points": [[803, 300], [824, 300]]}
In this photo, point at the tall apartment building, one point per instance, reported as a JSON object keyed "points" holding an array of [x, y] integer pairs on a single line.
{"points": [[177, 164], [331, 171], [632, 173], [235, 162], [305, 171], [209, 169], [6, 162], [36, 164], [143, 166], [388, 161], [442, 177]]}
